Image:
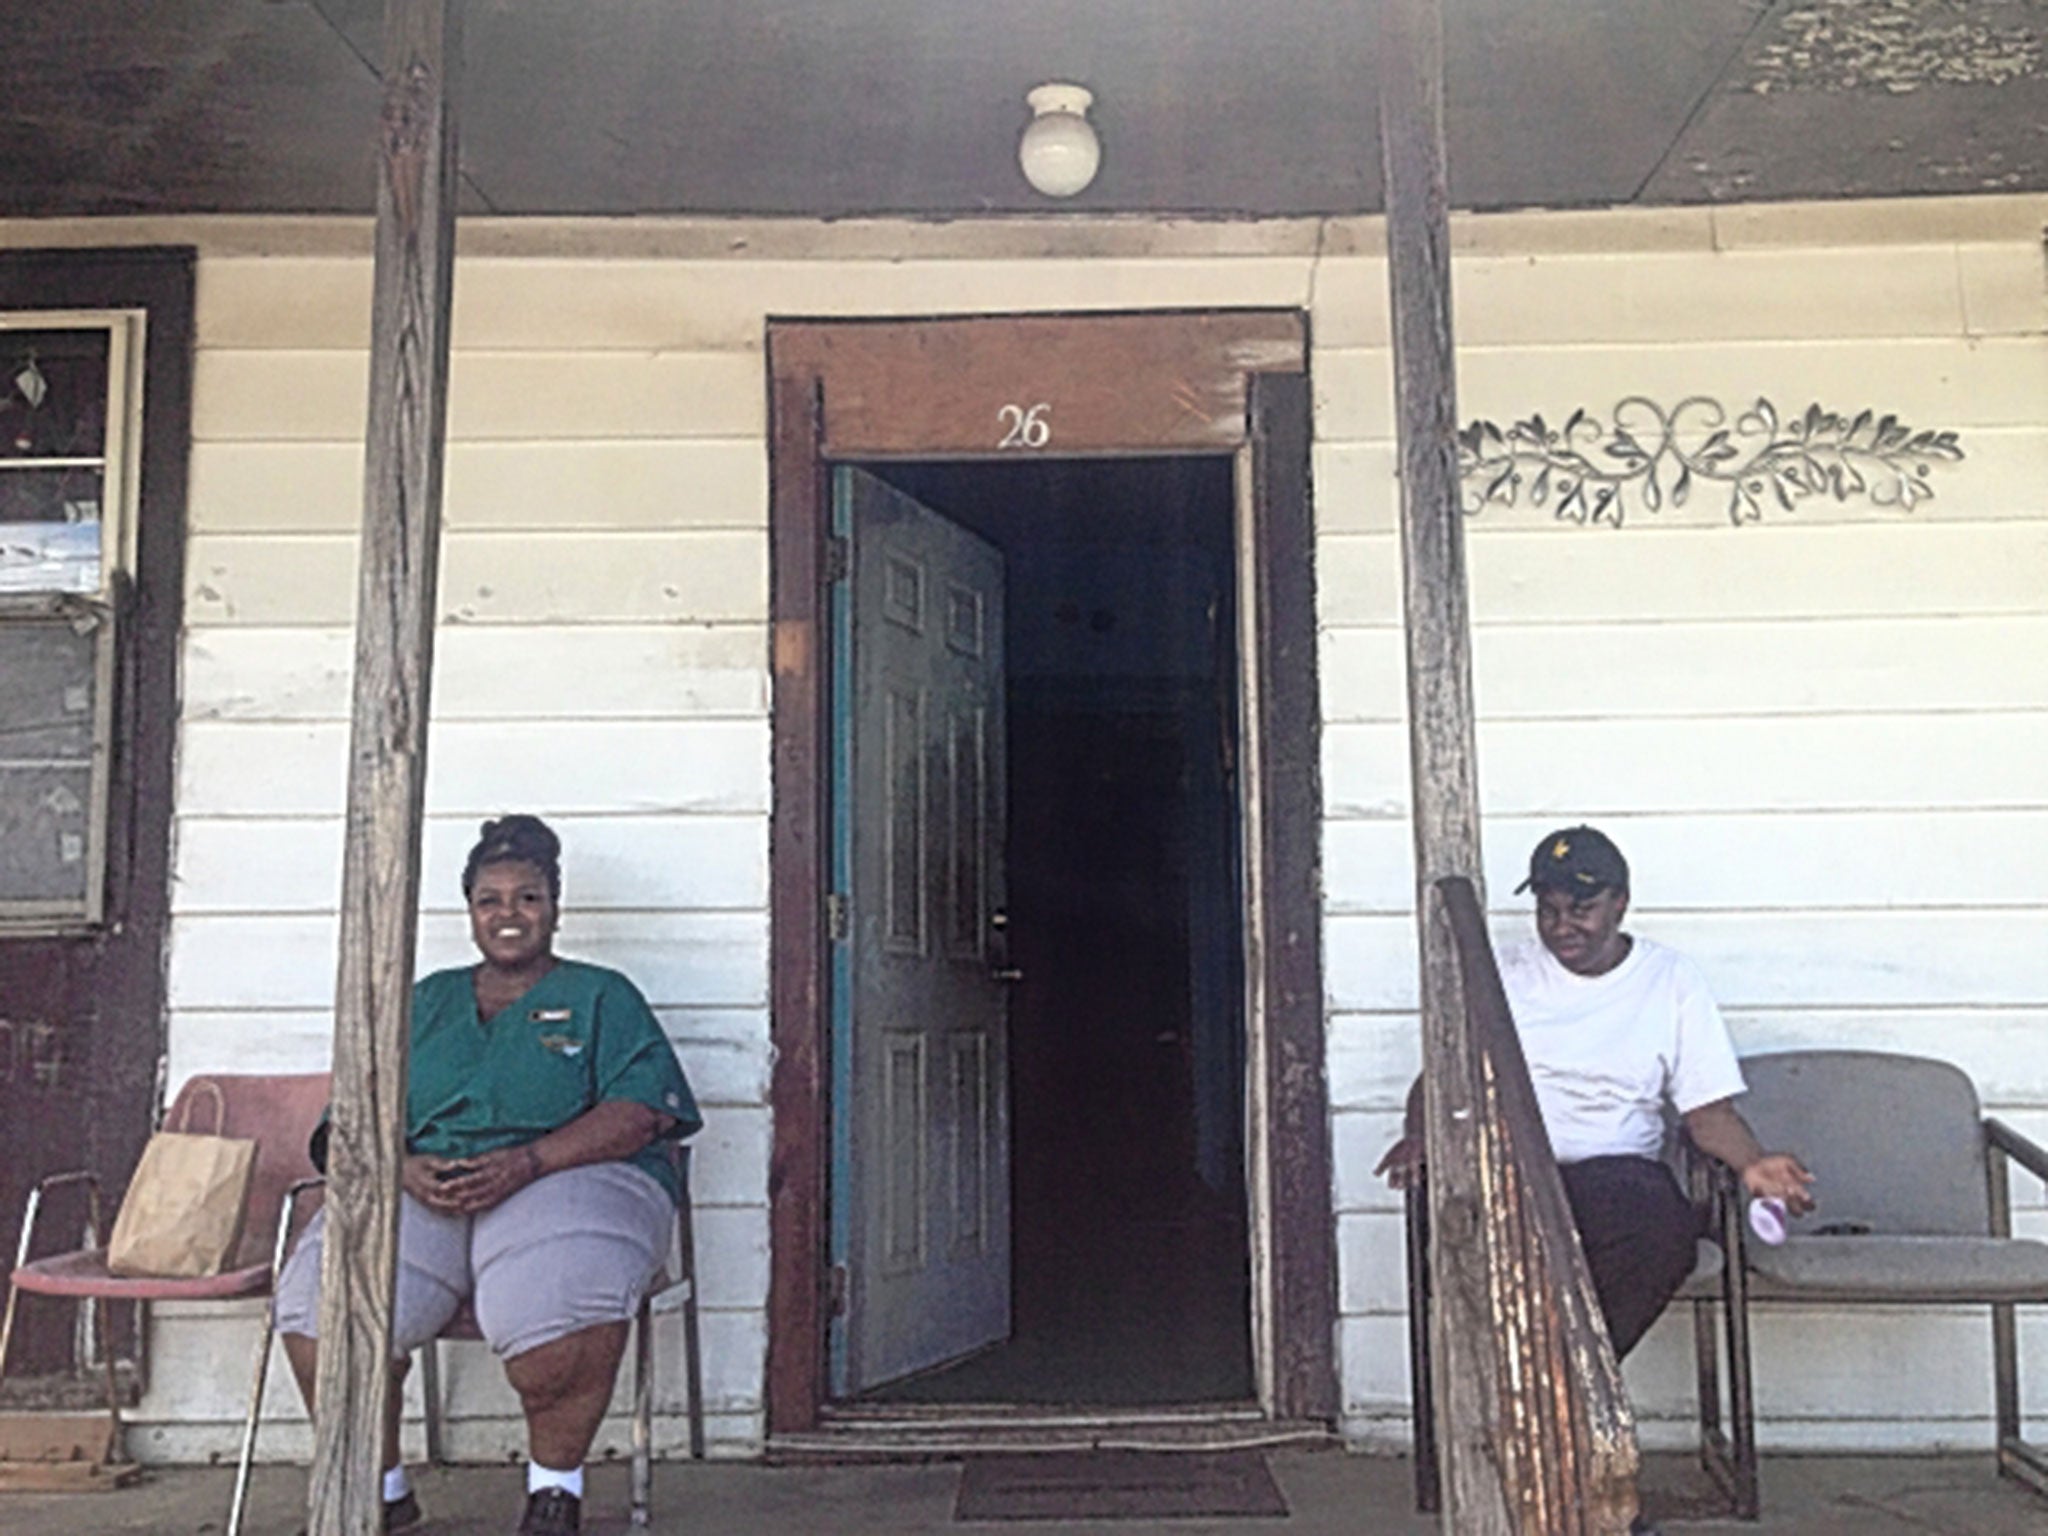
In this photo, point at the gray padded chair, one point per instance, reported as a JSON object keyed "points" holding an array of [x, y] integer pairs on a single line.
{"points": [[1915, 1208]]}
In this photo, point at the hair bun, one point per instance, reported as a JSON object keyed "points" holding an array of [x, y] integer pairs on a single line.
{"points": [[522, 837]]}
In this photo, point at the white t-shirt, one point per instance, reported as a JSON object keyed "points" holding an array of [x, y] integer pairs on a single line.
{"points": [[1607, 1052]]}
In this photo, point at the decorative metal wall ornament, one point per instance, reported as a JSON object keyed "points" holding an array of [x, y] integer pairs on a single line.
{"points": [[1586, 471]]}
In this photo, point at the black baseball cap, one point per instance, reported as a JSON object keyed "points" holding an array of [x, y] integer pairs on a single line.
{"points": [[1582, 860]]}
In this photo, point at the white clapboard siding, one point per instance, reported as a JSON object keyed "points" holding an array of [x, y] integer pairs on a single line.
{"points": [[1937, 663], [491, 672], [1934, 384], [271, 962], [1669, 296], [683, 575], [2003, 294], [1580, 769], [642, 863], [480, 768], [624, 305], [316, 487], [1819, 737], [1373, 1058], [322, 396], [1874, 859], [1558, 573]]}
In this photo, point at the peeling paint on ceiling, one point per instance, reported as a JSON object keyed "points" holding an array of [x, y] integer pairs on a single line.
{"points": [[1899, 45]]}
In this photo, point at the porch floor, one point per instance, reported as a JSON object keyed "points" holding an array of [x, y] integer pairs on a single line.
{"points": [[1328, 1492]]}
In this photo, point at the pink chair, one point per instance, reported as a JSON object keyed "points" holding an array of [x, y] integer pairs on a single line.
{"points": [[277, 1113]]}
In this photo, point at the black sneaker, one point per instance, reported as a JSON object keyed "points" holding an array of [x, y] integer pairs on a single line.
{"points": [[1641, 1527], [552, 1512]]}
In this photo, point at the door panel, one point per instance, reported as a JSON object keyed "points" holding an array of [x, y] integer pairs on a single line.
{"points": [[924, 1165]]}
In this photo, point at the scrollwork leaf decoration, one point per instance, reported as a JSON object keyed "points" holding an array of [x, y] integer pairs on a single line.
{"points": [[1589, 471]]}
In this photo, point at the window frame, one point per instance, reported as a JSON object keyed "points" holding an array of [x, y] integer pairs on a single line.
{"points": [[126, 329]]}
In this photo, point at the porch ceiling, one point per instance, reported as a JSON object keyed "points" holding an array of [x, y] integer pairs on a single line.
{"points": [[913, 107]]}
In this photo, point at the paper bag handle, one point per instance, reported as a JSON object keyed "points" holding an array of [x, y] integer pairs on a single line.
{"points": [[220, 1105]]}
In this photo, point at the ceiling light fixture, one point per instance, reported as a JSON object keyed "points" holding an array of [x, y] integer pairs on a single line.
{"points": [[1059, 151]]}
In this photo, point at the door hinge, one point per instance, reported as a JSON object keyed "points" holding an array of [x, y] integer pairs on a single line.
{"points": [[838, 923], [836, 1296], [838, 559]]}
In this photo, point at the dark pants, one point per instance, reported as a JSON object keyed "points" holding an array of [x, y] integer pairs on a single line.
{"points": [[1641, 1238]]}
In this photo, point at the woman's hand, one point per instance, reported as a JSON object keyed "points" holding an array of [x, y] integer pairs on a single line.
{"points": [[468, 1185], [421, 1178], [462, 1186]]}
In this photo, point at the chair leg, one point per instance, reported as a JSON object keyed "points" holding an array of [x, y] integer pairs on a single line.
{"points": [[116, 1451], [246, 1460], [1706, 1347], [1421, 1387], [430, 1394], [643, 1412], [693, 1372], [1741, 1390], [2023, 1463]]}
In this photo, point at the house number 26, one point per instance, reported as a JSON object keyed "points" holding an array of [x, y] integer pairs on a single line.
{"points": [[1025, 426]]}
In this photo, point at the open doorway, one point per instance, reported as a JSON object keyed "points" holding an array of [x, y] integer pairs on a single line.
{"points": [[1115, 955], [918, 396]]}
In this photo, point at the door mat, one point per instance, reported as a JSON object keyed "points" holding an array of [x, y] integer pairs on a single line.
{"points": [[1118, 1485]]}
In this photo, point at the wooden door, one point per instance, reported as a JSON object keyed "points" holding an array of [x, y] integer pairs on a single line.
{"points": [[82, 998], [922, 1172]]}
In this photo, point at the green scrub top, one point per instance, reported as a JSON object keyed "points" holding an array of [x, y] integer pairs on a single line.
{"points": [[582, 1035]]}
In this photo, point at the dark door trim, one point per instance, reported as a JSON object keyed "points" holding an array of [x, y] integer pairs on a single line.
{"points": [[105, 989], [1208, 381]]}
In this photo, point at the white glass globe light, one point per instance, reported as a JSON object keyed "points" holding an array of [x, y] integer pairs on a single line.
{"points": [[1059, 151]]}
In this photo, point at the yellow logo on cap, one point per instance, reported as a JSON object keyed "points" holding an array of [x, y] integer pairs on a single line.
{"points": [[1560, 849]]}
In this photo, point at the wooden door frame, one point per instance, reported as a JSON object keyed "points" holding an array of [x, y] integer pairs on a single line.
{"points": [[107, 983], [1227, 382]]}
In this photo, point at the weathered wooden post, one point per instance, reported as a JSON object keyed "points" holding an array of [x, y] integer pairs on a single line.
{"points": [[415, 247], [1531, 1418], [1443, 771]]}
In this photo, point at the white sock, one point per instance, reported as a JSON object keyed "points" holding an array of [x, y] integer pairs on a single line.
{"points": [[539, 1477], [396, 1484]]}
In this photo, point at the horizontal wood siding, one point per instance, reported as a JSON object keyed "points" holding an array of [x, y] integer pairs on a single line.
{"points": [[1820, 738]]}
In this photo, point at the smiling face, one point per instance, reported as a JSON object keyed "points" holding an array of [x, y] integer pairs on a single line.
{"points": [[512, 914], [1584, 932]]}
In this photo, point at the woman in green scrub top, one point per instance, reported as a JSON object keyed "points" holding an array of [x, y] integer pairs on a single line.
{"points": [[543, 1105]]}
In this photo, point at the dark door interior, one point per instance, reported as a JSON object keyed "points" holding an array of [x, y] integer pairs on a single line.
{"points": [[1131, 1278]]}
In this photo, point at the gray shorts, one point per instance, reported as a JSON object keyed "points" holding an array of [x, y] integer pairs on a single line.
{"points": [[570, 1251]]}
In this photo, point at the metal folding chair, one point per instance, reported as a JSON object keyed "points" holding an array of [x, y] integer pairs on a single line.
{"points": [[676, 1290], [275, 1112]]}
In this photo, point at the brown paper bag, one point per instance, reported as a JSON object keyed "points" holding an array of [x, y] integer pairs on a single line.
{"points": [[183, 1213]]}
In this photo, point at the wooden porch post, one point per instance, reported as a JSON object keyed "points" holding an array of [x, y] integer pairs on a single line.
{"points": [[1442, 756], [1533, 1422], [400, 557]]}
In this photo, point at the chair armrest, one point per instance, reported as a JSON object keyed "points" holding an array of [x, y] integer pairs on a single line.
{"points": [[2029, 1154], [1708, 1181]]}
